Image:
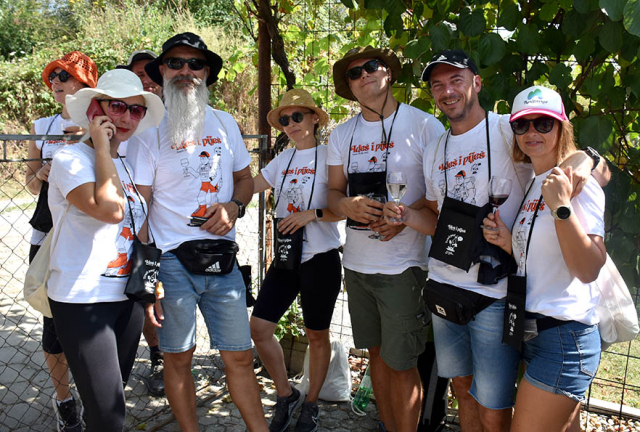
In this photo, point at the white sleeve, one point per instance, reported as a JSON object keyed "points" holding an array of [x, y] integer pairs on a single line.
{"points": [[334, 156], [428, 161], [589, 208], [70, 170], [142, 156], [270, 172]]}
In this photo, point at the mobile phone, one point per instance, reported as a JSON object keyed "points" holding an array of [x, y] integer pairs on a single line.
{"points": [[197, 221], [94, 109]]}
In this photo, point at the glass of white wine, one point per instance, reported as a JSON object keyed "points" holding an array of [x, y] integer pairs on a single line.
{"points": [[397, 186]]}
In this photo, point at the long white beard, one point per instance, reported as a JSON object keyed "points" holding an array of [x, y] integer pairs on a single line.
{"points": [[186, 109]]}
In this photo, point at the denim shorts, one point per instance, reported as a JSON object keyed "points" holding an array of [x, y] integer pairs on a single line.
{"points": [[477, 349], [563, 360], [222, 301]]}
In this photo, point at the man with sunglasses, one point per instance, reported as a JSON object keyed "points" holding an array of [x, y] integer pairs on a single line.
{"points": [[483, 369], [187, 215], [384, 278]]}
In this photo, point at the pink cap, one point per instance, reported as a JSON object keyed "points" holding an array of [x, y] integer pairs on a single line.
{"points": [[538, 100]]}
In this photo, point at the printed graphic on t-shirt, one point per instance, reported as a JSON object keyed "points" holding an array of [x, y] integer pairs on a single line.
{"points": [[522, 229], [463, 188], [369, 157], [296, 181], [121, 265], [209, 172]]}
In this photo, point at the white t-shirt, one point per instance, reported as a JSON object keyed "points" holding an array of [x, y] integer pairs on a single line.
{"points": [[91, 261], [468, 181], [53, 125], [551, 290], [188, 178], [294, 197], [412, 130]]}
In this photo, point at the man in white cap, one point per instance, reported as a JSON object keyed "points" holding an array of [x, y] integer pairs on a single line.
{"points": [[470, 350], [384, 278], [198, 267]]}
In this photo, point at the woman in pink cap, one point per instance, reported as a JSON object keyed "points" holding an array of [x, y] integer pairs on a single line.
{"points": [[64, 76], [557, 243]]}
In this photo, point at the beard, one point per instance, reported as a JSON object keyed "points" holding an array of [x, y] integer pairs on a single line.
{"points": [[186, 105]]}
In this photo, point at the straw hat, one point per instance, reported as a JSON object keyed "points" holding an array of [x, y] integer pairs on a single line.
{"points": [[340, 67], [296, 98], [79, 65], [117, 84]]}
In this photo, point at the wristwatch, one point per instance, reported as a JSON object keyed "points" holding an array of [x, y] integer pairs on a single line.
{"points": [[562, 212], [241, 207], [593, 154], [319, 214]]}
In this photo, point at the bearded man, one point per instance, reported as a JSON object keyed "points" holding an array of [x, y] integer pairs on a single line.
{"points": [[177, 225]]}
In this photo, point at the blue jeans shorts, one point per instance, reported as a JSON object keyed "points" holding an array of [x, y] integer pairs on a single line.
{"points": [[221, 299], [563, 360], [476, 349]]}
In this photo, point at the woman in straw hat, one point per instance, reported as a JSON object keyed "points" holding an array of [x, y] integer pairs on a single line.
{"points": [[95, 210], [299, 176], [64, 76], [557, 242]]}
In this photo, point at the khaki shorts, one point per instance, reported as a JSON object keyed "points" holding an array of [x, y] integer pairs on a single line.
{"points": [[388, 311]]}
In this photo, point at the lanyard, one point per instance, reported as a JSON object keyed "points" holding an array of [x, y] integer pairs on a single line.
{"points": [[386, 144], [286, 171], [133, 222], [533, 219], [446, 184]]}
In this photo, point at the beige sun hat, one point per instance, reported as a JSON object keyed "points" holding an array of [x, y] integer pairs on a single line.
{"points": [[295, 98]]}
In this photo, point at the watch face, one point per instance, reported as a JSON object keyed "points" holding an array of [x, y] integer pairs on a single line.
{"points": [[563, 212]]}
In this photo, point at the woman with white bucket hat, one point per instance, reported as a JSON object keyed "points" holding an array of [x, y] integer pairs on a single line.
{"points": [[95, 210]]}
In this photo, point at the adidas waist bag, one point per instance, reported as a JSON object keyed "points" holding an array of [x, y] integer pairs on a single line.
{"points": [[207, 257]]}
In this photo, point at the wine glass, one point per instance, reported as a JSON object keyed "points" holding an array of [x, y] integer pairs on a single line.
{"points": [[499, 190], [397, 186], [382, 199]]}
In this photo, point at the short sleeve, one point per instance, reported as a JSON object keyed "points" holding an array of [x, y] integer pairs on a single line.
{"points": [[142, 156], [270, 172], [70, 170], [589, 208], [334, 156]]}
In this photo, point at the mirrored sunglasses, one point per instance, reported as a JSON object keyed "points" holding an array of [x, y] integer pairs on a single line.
{"points": [[296, 117], [63, 76], [541, 124], [177, 63], [370, 67], [118, 108]]}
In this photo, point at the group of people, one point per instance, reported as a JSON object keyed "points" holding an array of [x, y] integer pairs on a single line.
{"points": [[186, 181]]}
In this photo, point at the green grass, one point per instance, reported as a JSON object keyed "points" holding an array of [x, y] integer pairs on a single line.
{"points": [[615, 367]]}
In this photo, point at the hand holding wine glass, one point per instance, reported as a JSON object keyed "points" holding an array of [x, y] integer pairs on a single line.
{"points": [[397, 186], [499, 190]]}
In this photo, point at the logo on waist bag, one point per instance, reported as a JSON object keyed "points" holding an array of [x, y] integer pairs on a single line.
{"points": [[452, 243], [441, 310], [213, 268]]}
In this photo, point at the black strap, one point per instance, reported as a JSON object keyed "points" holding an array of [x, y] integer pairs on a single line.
{"points": [[142, 203], [446, 184], [286, 171], [533, 219], [386, 144]]}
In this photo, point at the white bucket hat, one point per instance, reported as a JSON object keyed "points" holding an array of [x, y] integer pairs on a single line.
{"points": [[538, 100], [117, 84]]}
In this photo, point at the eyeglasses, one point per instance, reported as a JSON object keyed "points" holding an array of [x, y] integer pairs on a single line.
{"points": [[541, 124], [296, 117], [63, 76], [118, 108], [370, 67], [177, 63]]}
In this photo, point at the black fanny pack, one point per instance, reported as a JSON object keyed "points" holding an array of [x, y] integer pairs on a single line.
{"points": [[458, 240], [207, 257], [288, 248], [454, 304]]}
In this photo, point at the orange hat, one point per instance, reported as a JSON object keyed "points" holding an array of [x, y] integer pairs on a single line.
{"points": [[78, 65], [204, 154]]}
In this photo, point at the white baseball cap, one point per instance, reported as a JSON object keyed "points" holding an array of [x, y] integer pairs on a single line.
{"points": [[538, 100]]}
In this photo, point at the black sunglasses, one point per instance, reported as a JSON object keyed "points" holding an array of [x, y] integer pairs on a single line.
{"points": [[541, 124], [118, 108], [296, 117], [63, 76], [370, 67], [177, 63]]}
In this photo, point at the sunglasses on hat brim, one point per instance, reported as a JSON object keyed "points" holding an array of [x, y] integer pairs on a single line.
{"points": [[63, 76], [177, 63], [541, 124], [370, 67], [117, 108], [297, 117]]}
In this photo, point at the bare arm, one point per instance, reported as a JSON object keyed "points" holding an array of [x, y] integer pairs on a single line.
{"points": [[260, 184], [581, 165], [36, 171], [143, 234], [422, 215]]}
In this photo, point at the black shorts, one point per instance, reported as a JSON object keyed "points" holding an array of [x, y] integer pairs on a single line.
{"points": [[318, 281], [50, 343]]}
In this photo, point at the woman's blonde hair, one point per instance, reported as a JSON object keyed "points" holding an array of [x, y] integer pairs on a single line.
{"points": [[566, 144]]}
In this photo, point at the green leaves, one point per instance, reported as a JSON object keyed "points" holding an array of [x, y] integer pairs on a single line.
{"points": [[597, 132], [472, 23], [528, 38], [509, 16], [560, 76], [632, 17], [614, 8], [611, 36], [417, 47], [440, 37], [491, 48]]}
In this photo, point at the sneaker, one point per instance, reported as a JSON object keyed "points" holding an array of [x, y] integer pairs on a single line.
{"points": [[308, 420], [67, 416], [155, 380], [285, 407]]}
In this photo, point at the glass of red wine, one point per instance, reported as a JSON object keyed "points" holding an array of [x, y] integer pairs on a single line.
{"points": [[499, 190]]}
